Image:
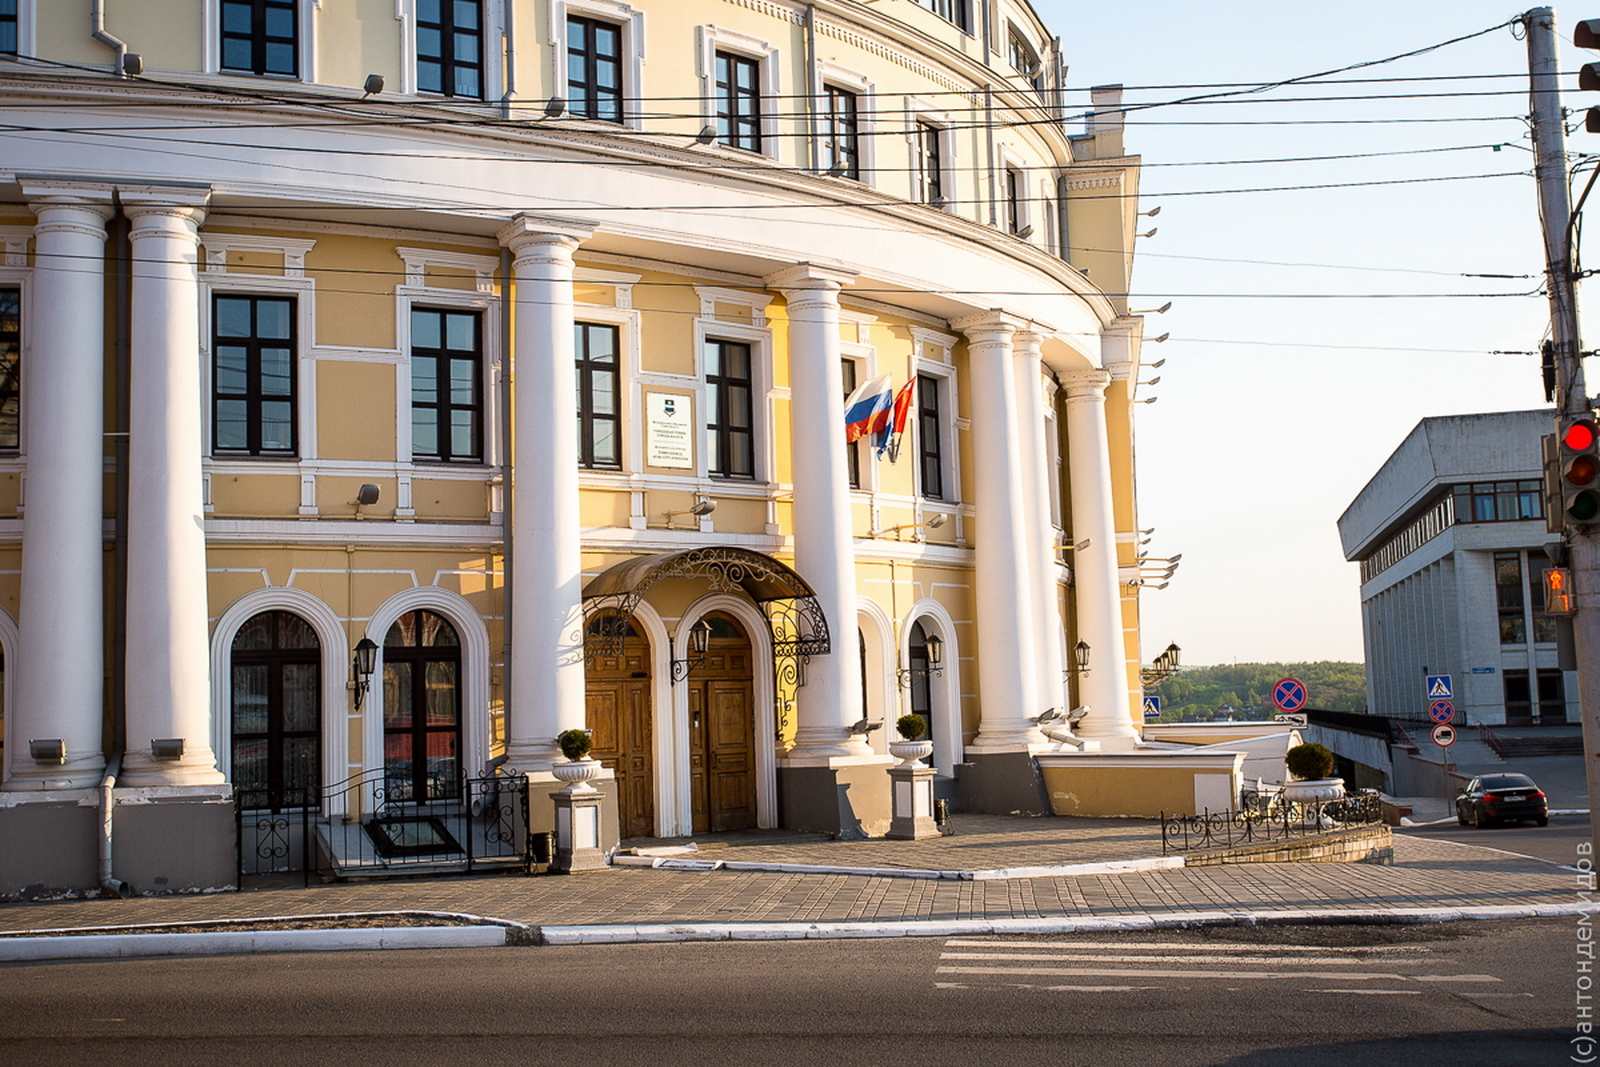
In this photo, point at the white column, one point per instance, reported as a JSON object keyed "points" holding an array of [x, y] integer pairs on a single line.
{"points": [[1038, 529], [1007, 682], [57, 673], [168, 668], [1094, 561], [830, 701], [546, 577]]}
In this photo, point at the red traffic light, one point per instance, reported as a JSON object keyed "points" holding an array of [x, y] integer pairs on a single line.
{"points": [[1580, 470], [1580, 435]]}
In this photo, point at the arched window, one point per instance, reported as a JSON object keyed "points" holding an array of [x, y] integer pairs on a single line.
{"points": [[276, 711], [422, 708], [917, 657]]}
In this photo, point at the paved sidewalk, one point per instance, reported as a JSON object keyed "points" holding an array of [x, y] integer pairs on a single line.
{"points": [[1428, 874]]}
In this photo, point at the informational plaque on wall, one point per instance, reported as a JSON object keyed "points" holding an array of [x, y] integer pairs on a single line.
{"points": [[670, 438]]}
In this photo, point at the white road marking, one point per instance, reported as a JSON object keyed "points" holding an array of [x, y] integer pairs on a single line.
{"points": [[1371, 992], [1454, 978], [1126, 972], [1168, 946], [1093, 957]]}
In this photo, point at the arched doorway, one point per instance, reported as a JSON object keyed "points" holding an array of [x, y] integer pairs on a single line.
{"points": [[422, 709], [275, 712], [722, 736], [921, 694], [618, 715]]}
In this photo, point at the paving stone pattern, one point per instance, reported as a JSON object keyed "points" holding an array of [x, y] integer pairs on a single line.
{"points": [[1428, 873]]}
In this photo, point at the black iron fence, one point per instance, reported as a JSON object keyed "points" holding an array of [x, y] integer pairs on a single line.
{"points": [[373, 824], [1265, 819]]}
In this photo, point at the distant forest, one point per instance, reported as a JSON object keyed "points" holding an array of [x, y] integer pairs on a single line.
{"points": [[1244, 690]]}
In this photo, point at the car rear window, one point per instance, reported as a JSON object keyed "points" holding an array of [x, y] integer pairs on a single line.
{"points": [[1507, 781]]}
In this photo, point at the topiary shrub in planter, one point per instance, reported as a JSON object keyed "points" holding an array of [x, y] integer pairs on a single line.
{"points": [[911, 727], [1310, 761], [574, 744]]}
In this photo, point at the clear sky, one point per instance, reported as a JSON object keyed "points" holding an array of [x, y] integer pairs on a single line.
{"points": [[1312, 328]]}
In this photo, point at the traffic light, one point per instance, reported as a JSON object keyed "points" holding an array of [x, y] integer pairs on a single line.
{"points": [[1587, 35], [1558, 591], [1578, 459]]}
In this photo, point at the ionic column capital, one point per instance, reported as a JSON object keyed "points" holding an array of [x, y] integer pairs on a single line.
{"points": [[809, 282]]}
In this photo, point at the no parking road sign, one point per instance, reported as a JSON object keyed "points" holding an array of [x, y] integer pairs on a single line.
{"points": [[1442, 711], [1289, 695], [1444, 735]]}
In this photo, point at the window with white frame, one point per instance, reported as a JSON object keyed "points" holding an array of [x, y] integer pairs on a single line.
{"points": [[730, 409], [738, 101], [261, 36], [598, 349], [450, 47], [840, 122], [10, 369], [254, 379], [1025, 59], [954, 11], [594, 69], [10, 28], [930, 162], [1016, 200], [446, 385], [930, 437]]}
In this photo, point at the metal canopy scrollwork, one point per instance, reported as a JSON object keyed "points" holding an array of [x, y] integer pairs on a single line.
{"points": [[795, 620]]}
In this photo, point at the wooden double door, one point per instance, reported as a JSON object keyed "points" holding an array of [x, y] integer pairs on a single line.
{"points": [[720, 694]]}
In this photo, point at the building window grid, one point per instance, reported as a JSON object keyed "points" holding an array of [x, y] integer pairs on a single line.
{"points": [[450, 47], [261, 36], [929, 163], [841, 132], [729, 409], [598, 417], [738, 84], [446, 385], [1420, 531], [1509, 598], [1471, 502], [10, 369], [594, 69], [930, 437], [8, 27], [254, 384], [952, 11]]}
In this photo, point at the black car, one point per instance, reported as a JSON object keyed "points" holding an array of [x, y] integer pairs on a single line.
{"points": [[1494, 797]]}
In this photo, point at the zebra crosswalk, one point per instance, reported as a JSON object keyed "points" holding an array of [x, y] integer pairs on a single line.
{"points": [[1129, 965]]}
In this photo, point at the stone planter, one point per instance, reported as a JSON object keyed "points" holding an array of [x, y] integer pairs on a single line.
{"points": [[577, 774], [910, 751], [1313, 790]]}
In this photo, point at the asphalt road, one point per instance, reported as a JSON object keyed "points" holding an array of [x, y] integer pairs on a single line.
{"points": [[1498, 993], [1557, 842]]}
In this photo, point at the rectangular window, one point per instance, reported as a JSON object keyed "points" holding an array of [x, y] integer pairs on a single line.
{"points": [[950, 10], [261, 36], [446, 386], [841, 133], [1026, 60], [8, 27], [852, 452], [1508, 597], [253, 376], [729, 410], [1499, 501], [596, 348], [929, 164], [1014, 191], [738, 101], [10, 369], [594, 69], [930, 437], [450, 47]]}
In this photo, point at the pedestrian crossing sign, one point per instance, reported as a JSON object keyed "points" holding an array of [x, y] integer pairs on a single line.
{"points": [[1439, 687], [1152, 706]]}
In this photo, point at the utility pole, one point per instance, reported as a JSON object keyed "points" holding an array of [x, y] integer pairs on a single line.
{"points": [[1571, 396]]}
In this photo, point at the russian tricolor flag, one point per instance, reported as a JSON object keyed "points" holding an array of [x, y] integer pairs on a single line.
{"points": [[867, 410]]}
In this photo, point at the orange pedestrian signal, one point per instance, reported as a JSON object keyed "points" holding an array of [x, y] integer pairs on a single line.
{"points": [[1558, 591]]}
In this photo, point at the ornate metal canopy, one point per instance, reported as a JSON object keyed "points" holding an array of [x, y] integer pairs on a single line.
{"points": [[794, 617]]}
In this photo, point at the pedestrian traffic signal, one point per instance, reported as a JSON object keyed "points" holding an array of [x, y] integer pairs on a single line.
{"points": [[1578, 446], [1558, 591]]}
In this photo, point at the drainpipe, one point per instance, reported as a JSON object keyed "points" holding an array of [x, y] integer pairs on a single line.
{"points": [[812, 86], [108, 784], [97, 24], [510, 15]]}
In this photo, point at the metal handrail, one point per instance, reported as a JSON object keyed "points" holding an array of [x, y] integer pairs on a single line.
{"points": [[1270, 818]]}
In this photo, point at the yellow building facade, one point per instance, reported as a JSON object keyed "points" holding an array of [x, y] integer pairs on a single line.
{"points": [[514, 338]]}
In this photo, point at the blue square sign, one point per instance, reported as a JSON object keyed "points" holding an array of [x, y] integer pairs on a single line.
{"points": [[1439, 688]]}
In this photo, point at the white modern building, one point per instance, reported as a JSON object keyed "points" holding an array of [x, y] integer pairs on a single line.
{"points": [[1450, 535]]}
